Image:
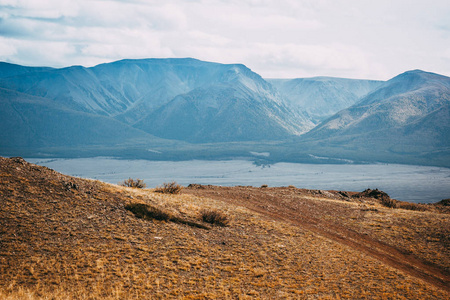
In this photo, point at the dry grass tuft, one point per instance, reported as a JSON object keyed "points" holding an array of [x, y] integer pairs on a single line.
{"points": [[169, 188], [130, 182], [215, 217]]}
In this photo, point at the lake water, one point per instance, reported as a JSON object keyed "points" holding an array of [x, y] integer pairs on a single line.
{"points": [[402, 182]]}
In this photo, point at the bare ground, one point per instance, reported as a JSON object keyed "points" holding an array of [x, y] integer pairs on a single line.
{"points": [[326, 213]]}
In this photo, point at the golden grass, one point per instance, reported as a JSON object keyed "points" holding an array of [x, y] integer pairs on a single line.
{"points": [[80, 245]]}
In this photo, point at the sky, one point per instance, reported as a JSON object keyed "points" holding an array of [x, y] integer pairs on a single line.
{"points": [[277, 39]]}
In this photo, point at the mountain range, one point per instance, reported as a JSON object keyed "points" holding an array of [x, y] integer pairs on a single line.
{"points": [[187, 108], [407, 119]]}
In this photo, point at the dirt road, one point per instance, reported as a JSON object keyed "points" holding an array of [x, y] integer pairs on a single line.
{"points": [[321, 212]]}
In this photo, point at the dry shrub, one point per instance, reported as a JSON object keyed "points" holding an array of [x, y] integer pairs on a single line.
{"points": [[138, 183], [214, 217], [384, 198], [411, 206], [264, 186], [169, 188], [388, 202], [444, 202], [148, 212]]}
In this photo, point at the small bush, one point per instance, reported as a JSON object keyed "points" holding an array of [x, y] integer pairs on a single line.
{"points": [[264, 186], [138, 183], [388, 202], [169, 188], [215, 217], [444, 202], [411, 206]]}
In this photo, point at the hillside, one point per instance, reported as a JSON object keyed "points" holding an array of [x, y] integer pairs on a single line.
{"points": [[146, 94], [30, 123], [406, 120], [184, 108], [64, 237], [322, 97]]}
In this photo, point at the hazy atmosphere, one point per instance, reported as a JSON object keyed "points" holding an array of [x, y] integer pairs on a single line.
{"points": [[277, 39], [224, 149]]}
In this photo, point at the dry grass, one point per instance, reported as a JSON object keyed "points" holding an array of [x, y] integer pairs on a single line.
{"points": [[59, 243]]}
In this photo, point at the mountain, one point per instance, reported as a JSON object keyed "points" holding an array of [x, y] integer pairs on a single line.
{"points": [[29, 123], [406, 118], [146, 94], [239, 107], [187, 108], [321, 97]]}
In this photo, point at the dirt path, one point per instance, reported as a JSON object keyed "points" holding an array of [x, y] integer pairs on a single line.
{"points": [[312, 215]]}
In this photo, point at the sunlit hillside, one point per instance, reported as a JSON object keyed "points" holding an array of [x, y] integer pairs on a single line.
{"points": [[69, 238]]}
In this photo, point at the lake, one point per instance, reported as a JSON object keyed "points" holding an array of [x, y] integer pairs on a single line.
{"points": [[403, 182]]}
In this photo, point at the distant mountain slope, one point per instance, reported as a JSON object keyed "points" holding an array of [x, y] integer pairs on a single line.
{"points": [[168, 102], [136, 92], [321, 97], [408, 115], [29, 122], [240, 107]]}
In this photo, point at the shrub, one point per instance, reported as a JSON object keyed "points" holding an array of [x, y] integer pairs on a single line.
{"points": [[138, 183], [411, 206], [169, 188], [444, 202], [215, 217], [388, 202], [264, 186]]}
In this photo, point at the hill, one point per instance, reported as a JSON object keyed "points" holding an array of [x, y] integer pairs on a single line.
{"points": [[181, 109], [64, 237], [30, 125], [147, 93], [407, 120]]}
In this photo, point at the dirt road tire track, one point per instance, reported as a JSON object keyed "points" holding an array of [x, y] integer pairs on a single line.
{"points": [[383, 252]]}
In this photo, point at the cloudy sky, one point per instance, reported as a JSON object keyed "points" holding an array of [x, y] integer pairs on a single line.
{"points": [[283, 38]]}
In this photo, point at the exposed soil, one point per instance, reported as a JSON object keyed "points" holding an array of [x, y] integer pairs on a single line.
{"points": [[310, 209]]}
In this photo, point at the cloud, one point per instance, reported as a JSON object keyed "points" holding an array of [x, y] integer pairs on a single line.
{"points": [[6, 48], [286, 38]]}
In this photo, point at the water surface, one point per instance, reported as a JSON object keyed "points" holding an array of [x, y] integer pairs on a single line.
{"points": [[402, 182]]}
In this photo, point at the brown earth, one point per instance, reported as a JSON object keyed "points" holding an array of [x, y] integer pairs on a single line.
{"points": [[327, 214], [69, 238]]}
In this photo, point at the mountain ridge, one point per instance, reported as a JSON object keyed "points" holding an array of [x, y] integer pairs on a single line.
{"points": [[223, 110]]}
